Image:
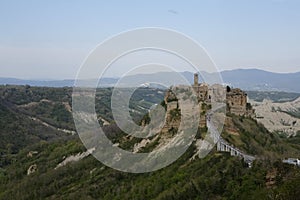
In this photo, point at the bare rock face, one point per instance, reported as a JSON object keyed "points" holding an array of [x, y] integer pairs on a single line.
{"points": [[229, 127], [271, 178], [282, 117], [75, 158], [32, 169], [31, 153]]}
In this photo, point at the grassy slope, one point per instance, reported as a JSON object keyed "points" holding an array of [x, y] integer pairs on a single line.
{"points": [[255, 139], [18, 130], [217, 176]]}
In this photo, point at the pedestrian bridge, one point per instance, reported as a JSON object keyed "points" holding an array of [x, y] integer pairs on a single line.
{"points": [[224, 146]]}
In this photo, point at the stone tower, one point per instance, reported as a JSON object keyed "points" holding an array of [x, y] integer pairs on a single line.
{"points": [[196, 79]]}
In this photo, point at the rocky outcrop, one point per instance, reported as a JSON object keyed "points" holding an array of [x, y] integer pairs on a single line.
{"points": [[31, 153], [32, 169], [75, 158]]}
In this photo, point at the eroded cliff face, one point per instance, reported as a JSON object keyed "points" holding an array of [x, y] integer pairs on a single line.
{"points": [[279, 117], [186, 102]]}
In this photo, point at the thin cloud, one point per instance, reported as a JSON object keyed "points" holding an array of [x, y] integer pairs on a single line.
{"points": [[173, 12]]}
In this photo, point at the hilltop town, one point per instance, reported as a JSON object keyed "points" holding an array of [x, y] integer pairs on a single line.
{"points": [[235, 98], [236, 102]]}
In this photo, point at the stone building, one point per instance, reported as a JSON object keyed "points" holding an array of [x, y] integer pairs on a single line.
{"points": [[201, 89], [236, 99]]}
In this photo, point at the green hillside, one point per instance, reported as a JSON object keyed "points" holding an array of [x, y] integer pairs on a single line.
{"points": [[217, 176]]}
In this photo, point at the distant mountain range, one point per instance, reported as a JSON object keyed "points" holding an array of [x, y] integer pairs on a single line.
{"points": [[254, 79], [106, 82], [247, 79]]}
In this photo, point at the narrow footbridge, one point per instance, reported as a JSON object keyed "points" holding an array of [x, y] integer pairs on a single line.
{"points": [[224, 146]]}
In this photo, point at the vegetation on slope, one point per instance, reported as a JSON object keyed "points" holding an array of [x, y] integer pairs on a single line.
{"points": [[217, 176], [255, 139]]}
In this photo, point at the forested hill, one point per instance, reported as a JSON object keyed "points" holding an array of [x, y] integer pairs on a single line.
{"points": [[37, 136]]}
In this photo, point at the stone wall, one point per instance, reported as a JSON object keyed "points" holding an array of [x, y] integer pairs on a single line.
{"points": [[236, 100]]}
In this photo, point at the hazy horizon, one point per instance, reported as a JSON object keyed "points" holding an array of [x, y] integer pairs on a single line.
{"points": [[117, 77]]}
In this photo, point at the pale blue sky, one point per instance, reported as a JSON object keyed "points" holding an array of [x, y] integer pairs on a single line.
{"points": [[50, 39]]}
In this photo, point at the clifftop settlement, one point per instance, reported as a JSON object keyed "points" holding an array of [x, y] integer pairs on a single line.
{"points": [[236, 99]]}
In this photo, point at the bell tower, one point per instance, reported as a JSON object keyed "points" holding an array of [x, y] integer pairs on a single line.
{"points": [[196, 79]]}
